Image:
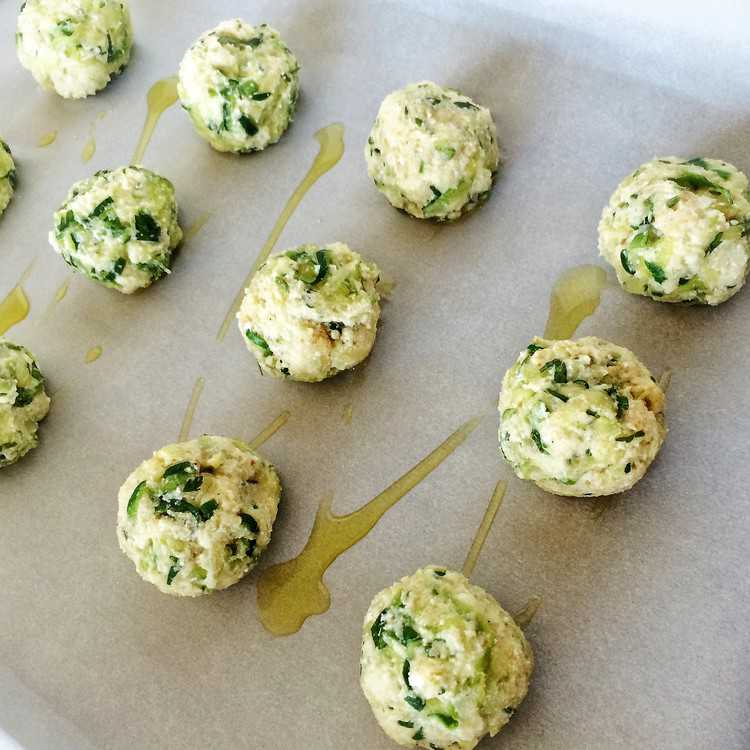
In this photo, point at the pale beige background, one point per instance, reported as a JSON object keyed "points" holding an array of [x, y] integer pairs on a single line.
{"points": [[642, 637]]}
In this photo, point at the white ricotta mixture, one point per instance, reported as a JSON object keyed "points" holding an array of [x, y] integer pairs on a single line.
{"points": [[7, 175], [678, 230], [442, 663], [74, 47], [580, 418], [432, 151], [23, 402], [239, 84], [119, 228], [311, 312], [196, 516]]}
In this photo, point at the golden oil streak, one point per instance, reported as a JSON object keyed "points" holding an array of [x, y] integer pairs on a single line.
{"points": [[292, 591], [575, 296], [484, 528], [187, 420], [196, 226], [48, 139], [161, 96], [331, 140], [524, 617], [60, 295], [93, 354], [348, 413], [89, 148], [665, 380], [268, 432], [15, 307]]}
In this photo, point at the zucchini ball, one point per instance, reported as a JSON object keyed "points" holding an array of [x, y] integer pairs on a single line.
{"points": [[442, 663], [23, 402], [311, 312], [119, 228], [239, 84], [74, 47], [580, 418], [432, 151], [678, 230], [196, 516], [7, 175]]}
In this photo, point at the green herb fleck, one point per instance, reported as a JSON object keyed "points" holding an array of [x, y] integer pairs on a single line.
{"points": [[537, 438], [259, 341], [147, 228], [672, 202], [415, 702], [625, 261], [656, 271], [631, 437], [135, 498], [407, 724], [557, 394], [249, 125], [561, 370], [715, 242], [377, 630], [249, 523]]}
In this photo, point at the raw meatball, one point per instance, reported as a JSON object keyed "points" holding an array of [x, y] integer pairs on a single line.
{"points": [[196, 516], [23, 402], [239, 84], [679, 231], [119, 228], [311, 312], [74, 47], [580, 417], [442, 663], [432, 151], [7, 175]]}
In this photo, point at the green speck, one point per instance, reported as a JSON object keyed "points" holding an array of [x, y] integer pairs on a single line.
{"points": [[537, 438], [259, 341], [715, 242], [135, 498], [625, 261], [631, 437], [656, 271], [146, 227]]}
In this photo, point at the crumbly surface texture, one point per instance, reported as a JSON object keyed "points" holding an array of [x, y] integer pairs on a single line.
{"points": [[311, 312], [432, 151], [74, 47], [239, 84], [678, 230], [442, 663], [580, 417], [119, 228], [23, 402], [7, 175], [196, 516]]}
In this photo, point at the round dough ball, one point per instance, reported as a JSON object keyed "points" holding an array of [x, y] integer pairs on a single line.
{"points": [[196, 516], [432, 151], [580, 418], [239, 84], [311, 312], [7, 175], [119, 228], [442, 663], [679, 231], [74, 47], [23, 402]]}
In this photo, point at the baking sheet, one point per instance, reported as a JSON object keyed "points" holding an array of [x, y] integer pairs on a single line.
{"points": [[641, 638]]}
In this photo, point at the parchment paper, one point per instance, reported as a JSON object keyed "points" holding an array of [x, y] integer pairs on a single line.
{"points": [[641, 640]]}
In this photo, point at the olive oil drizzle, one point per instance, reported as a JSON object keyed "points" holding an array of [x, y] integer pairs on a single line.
{"points": [[575, 296], [89, 148], [161, 96], [15, 307], [484, 528], [196, 227], [93, 354], [290, 592], [524, 617], [187, 420], [347, 414], [47, 139], [268, 432], [665, 380], [331, 140]]}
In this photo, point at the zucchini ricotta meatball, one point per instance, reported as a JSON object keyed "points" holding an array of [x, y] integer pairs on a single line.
{"points": [[119, 228], [442, 663], [679, 230], [74, 47], [239, 84], [23, 402], [7, 175], [196, 516], [580, 418], [311, 312], [432, 151]]}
